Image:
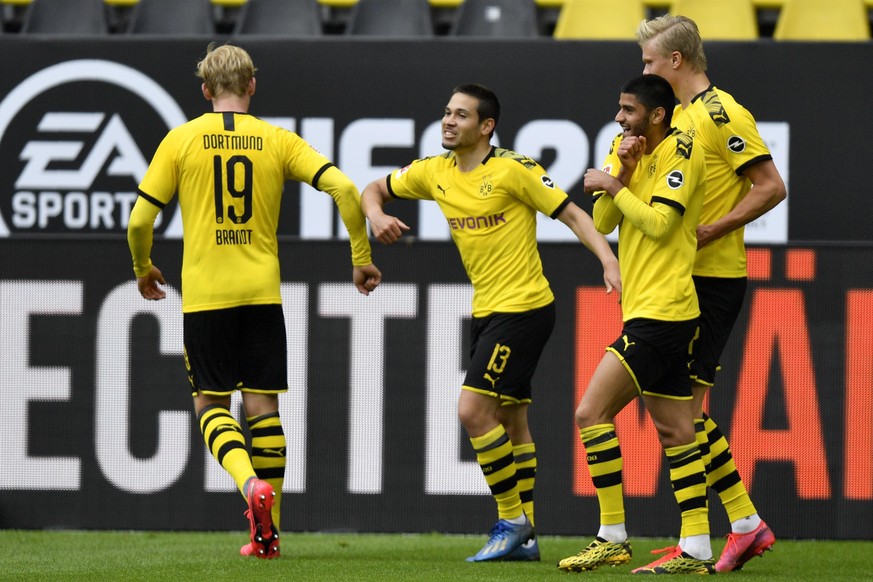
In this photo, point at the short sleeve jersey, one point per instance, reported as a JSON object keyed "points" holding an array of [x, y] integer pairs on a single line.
{"points": [[656, 274], [728, 135], [229, 170], [491, 213]]}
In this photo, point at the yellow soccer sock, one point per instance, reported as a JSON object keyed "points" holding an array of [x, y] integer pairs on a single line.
{"points": [[494, 454]]}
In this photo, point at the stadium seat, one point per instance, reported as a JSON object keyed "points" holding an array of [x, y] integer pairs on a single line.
{"points": [[391, 18], [823, 20], [291, 18], [599, 19], [720, 19], [65, 17], [343, 4], [496, 19], [172, 17]]}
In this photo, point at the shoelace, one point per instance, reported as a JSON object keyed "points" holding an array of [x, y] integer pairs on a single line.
{"points": [[499, 531], [667, 550]]}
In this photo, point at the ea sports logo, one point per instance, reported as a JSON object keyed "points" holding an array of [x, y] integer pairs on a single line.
{"points": [[75, 139]]}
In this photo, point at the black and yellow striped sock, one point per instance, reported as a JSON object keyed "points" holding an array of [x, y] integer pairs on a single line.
{"points": [[723, 477], [703, 445], [225, 440], [525, 456], [268, 455], [689, 486], [605, 464], [494, 454]]}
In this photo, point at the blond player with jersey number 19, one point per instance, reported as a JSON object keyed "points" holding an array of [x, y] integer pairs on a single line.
{"points": [[229, 169]]}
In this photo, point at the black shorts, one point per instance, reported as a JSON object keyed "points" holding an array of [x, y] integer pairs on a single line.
{"points": [[721, 300], [505, 349], [239, 348], [656, 355]]}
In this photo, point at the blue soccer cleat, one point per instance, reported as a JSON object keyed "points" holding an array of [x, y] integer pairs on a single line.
{"points": [[503, 539], [529, 551]]}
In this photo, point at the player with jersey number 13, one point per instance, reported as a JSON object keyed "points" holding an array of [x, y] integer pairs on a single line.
{"points": [[490, 197]]}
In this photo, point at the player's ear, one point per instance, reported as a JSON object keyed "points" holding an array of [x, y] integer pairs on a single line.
{"points": [[207, 94], [658, 114], [488, 125], [252, 85]]}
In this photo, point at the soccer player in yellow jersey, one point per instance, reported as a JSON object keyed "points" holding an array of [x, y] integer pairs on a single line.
{"points": [[229, 170], [490, 197], [742, 184], [652, 187]]}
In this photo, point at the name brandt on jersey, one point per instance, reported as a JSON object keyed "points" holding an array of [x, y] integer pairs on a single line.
{"points": [[217, 141], [228, 236], [476, 222]]}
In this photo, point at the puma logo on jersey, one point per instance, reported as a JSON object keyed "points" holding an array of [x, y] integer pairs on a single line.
{"points": [[443, 190], [493, 381], [627, 343]]}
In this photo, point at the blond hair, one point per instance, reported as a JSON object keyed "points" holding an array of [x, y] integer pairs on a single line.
{"points": [[674, 33], [226, 68]]}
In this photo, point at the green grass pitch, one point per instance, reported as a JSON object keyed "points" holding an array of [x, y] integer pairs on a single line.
{"points": [[94, 556]]}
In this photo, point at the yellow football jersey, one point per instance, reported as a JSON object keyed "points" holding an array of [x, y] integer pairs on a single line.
{"points": [[728, 135], [491, 213], [229, 170], [656, 271]]}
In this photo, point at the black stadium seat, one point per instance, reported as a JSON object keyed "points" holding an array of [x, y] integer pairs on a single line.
{"points": [[172, 17], [65, 17], [280, 18], [496, 19], [391, 18]]}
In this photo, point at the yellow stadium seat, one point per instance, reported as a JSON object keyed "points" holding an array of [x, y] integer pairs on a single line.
{"points": [[720, 19], [338, 3], [823, 20], [599, 19]]}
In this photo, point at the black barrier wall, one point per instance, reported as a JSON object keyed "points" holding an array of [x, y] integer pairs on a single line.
{"points": [[96, 409], [79, 120]]}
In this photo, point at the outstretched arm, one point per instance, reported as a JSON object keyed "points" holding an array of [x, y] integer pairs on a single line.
{"points": [[386, 228], [583, 227], [365, 274]]}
